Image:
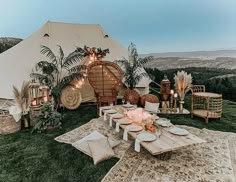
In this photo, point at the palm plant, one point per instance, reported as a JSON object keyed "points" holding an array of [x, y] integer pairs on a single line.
{"points": [[133, 67], [59, 70]]}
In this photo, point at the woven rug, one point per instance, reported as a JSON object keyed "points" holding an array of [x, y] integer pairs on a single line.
{"points": [[101, 126], [207, 162]]}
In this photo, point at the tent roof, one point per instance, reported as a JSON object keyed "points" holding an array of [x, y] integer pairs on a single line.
{"points": [[18, 62]]}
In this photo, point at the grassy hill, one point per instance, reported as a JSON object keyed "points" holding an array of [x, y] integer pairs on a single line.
{"points": [[164, 63], [8, 42]]}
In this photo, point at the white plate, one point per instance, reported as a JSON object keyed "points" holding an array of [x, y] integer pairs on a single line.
{"points": [[146, 137], [158, 111], [106, 107], [163, 119], [118, 115], [164, 123], [155, 117], [178, 131], [134, 128], [124, 121], [128, 105], [112, 111]]}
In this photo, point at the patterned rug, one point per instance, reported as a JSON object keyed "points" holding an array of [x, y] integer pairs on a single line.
{"points": [[101, 126], [207, 162]]}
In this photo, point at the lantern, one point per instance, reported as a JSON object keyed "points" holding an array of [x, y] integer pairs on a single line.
{"points": [[34, 93], [44, 92], [165, 89]]}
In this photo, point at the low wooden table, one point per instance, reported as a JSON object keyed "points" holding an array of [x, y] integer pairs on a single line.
{"points": [[166, 143]]}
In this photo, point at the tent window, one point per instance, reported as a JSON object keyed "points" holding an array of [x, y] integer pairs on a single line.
{"points": [[46, 35], [106, 36]]}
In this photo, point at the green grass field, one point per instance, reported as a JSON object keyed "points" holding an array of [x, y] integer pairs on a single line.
{"points": [[38, 158]]}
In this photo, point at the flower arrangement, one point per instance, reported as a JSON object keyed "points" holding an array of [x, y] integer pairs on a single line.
{"points": [[183, 82], [98, 53], [142, 118]]}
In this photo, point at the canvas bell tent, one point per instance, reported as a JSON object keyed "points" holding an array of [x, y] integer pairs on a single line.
{"points": [[18, 62]]}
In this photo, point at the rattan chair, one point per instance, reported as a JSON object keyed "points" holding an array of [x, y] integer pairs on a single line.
{"points": [[198, 88], [106, 78], [206, 105]]}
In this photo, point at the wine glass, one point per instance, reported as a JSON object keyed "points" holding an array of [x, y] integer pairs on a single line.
{"points": [[111, 104], [123, 101]]}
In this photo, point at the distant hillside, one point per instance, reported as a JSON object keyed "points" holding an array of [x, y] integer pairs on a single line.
{"points": [[196, 54], [177, 62], [8, 42]]}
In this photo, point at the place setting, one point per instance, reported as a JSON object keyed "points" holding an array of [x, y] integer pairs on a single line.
{"points": [[164, 122], [123, 121], [104, 108], [131, 128], [110, 111], [144, 136]]}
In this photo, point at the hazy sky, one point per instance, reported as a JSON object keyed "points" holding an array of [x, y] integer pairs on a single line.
{"points": [[153, 25]]}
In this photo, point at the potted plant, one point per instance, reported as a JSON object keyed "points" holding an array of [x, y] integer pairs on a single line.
{"points": [[47, 119], [133, 72]]}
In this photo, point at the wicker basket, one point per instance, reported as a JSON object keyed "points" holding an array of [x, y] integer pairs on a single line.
{"points": [[71, 97], [132, 96], [150, 98], [8, 124]]}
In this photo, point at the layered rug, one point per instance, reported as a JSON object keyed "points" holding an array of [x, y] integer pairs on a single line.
{"points": [[101, 126], [207, 162]]}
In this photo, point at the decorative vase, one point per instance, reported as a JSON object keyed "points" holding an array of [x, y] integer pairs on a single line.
{"points": [[132, 96], [181, 106]]}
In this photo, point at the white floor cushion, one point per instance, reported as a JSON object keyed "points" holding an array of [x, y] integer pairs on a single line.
{"points": [[82, 144], [100, 150], [152, 107]]}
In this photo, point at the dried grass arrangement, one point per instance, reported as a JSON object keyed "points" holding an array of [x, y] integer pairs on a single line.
{"points": [[183, 82], [22, 97]]}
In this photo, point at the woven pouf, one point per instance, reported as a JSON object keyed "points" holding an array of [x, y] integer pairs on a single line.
{"points": [[8, 124], [71, 97], [150, 98], [132, 96]]}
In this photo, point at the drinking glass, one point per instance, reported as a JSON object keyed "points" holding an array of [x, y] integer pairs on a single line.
{"points": [[123, 101]]}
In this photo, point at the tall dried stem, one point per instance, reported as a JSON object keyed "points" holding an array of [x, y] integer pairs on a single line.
{"points": [[183, 82]]}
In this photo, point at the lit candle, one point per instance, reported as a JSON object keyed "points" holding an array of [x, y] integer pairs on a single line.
{"points": [[33, 103], [175, 95], [171, 92], [45, 98]]}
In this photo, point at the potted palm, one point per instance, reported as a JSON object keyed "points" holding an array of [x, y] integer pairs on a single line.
{"points": [[59, 70], [133, 72]]}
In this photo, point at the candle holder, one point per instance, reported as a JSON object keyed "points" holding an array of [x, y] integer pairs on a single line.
{"points": [[171, 100], [175, 102]]}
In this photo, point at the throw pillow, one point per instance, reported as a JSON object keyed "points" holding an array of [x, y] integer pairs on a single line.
{"points": [[82, 144], [152, 107], [100, 150]]}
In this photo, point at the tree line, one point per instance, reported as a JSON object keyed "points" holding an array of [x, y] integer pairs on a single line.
{"points": [[202, 76]]}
